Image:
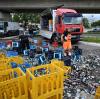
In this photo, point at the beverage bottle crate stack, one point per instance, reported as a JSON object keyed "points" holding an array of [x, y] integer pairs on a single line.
{"points": [[45, 82], [13, 84]]}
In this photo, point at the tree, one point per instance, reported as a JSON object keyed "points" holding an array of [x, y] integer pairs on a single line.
{"points": [[86, 23], [16, 18], [26, 17], [96, 23]]}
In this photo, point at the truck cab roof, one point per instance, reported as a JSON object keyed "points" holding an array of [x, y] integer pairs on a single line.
{"points": [[61, 11]]}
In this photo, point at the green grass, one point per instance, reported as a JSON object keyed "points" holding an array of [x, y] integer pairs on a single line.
{"points": [[92, 33], [91, 39]]}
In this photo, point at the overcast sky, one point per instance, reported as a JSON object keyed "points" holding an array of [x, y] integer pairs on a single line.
{"points": [[92, 17]]}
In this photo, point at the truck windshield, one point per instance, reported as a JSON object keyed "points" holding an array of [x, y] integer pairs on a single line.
{"points": [[72, 20]]}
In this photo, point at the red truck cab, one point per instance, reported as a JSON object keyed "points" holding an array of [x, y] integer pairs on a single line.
{"points": [[69, 18]]}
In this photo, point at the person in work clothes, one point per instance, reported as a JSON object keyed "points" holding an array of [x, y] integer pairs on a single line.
{"points": [[66, 39], [24, 42]]}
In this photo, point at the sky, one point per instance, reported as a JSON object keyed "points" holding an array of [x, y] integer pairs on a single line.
{"points": [[92, 17]]}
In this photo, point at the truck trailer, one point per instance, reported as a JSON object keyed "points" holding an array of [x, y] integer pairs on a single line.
{"points": [[58, 20]]}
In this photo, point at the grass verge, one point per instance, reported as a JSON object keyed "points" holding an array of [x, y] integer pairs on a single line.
{"points": [[91, 39], [92, 33]]}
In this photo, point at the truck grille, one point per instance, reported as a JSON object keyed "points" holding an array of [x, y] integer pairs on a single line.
{"points": [[76, 30]]}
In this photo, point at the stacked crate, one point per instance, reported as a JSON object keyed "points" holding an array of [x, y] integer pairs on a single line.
{"points": [[13, 84], [45, 82], [41, 82]]}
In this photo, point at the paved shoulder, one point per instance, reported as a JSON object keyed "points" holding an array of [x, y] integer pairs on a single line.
{"points": [[90, 43]]}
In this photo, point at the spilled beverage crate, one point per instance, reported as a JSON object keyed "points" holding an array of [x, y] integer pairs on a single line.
{"points": [[17, 59], [13, 84], [11, 53], [5, 64], [45, 82], [67, 69], [2, 55]]}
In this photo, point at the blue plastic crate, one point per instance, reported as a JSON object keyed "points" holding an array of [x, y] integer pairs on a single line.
{"points": [[35, 32], [11, 53], [50, 55], [35, 41], [13, 64], [2, 45], [32, 47], [45, 49], [26, 52], [24, 66], [44, 43], [58, 55], [41, 59], [15, 44], [27, 65], [60, 49]]}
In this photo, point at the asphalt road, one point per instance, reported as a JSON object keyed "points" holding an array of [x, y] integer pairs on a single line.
{"points": [[88, 49]]}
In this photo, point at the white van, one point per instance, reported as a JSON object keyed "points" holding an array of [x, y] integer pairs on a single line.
{"points": [[9, 26]]}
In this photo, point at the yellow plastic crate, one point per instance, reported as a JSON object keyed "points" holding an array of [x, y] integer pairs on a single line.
{"points": [[97, 95], [2, 55], [57, 62], [17, 59], [5, 64], [13, 84], [45, 86], [67, 69]]}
